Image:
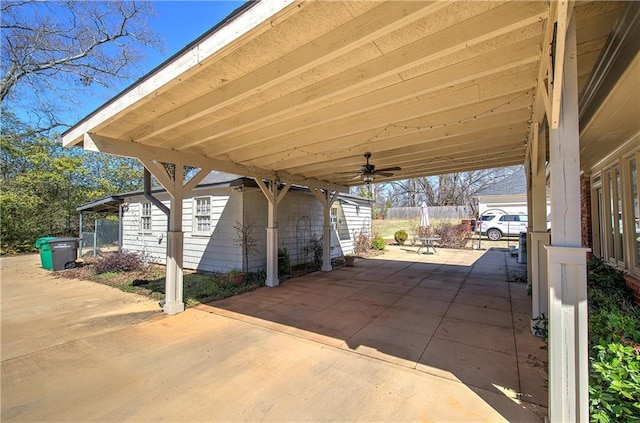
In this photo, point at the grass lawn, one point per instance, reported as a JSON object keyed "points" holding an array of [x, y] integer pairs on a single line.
{"points": [[386, 228]]}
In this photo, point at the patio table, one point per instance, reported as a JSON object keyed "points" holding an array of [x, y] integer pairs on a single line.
{"points": [[428, 242]]}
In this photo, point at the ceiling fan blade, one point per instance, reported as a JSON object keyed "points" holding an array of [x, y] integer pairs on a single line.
{"points": [[388, 169], [384, 173]]}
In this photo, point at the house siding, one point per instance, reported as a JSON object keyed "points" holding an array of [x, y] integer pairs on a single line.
{"points": [[300, 219], [356, 218], [214, 252]]}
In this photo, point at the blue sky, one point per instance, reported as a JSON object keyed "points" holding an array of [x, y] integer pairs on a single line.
{"points": [[178, 23]]}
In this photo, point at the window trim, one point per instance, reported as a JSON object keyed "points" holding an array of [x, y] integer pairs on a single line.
{"points": [[195, 215], [632, 243], [617, 208], [144, 216]]}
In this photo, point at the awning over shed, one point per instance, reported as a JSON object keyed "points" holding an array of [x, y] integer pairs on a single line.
{"points": [[105, 205]]}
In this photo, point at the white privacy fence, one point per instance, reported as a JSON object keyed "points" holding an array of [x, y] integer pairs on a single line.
{"points": [[435, 212]]}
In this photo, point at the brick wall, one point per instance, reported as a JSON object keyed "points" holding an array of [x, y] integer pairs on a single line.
{"points": [[585, 211]]}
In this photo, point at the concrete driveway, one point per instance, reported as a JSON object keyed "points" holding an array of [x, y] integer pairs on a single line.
{"points": [[402, 337]]}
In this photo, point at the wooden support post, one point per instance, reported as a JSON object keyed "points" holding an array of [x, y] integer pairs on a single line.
{"points": [[177, 189], [527, 170], [274, 196], [539, 237], [173, 297], [568, 347], [326, 198]]}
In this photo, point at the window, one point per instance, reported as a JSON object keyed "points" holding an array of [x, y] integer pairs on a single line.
{"points": [[514, 218], [635, 199], [145, 218], [613, 209], [616, 210], [333, 218], [202, 216], [619, 209]]}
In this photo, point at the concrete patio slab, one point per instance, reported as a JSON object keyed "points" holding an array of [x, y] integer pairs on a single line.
{"points": [[411, 320], [471, 365], [485, 301], [476, 314], [353, 344], [489, 337], [389, 344], [40, 310]]}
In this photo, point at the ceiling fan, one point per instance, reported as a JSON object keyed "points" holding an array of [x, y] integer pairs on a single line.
{"points": [[368, 171]]}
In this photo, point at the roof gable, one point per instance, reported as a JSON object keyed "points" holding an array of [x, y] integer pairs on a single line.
{"points": [[514, 184]]}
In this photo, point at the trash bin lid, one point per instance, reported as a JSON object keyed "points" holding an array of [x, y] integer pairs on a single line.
{"points": [[64, 239], [44, 240], [62, 242]]}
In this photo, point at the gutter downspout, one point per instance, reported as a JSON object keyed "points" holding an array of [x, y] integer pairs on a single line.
{"points": [[150, 197], [120, 234]]}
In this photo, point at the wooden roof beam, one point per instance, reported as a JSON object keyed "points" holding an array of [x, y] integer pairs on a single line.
{"points": [[93, 142], [339, 149], [487, 144], [499, 21], [365, 28], [249, 24], [472, 99], [288, 150]]}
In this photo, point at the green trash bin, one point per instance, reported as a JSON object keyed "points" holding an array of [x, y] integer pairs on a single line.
{"points": [[46, 257]]}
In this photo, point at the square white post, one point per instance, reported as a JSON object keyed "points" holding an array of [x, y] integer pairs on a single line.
{"points": [[568, 347], [176, 188], [173, 296], [568, 340], [326, 198], [539, 237], [174, 285], [273, 198]]}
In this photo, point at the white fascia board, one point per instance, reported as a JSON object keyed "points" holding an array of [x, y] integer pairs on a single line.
{"points": [[194, 56]]}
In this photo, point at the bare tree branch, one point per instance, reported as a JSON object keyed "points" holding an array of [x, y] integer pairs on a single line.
{"points": [[52, 51], [452, 189]]}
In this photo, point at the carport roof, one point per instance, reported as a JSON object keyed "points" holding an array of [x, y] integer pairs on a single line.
{"points": [[299, 91]]}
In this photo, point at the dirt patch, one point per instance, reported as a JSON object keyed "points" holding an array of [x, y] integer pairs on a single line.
{"points": [[121, 280]]}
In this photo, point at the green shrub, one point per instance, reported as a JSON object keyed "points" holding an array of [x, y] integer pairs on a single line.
{"points": [[400, 236], [614, 385], [614, 346], [541, 327], [284, 262], [123, 261], [377, 243]]}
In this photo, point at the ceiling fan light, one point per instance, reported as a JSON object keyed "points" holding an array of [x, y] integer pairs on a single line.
{"points": [[367, 177]]}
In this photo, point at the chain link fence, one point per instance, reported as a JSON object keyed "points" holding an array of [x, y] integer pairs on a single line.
{"points": [[99, 235]]}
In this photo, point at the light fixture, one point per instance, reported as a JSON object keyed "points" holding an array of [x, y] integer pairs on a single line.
{"points": [[367, 177]]}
